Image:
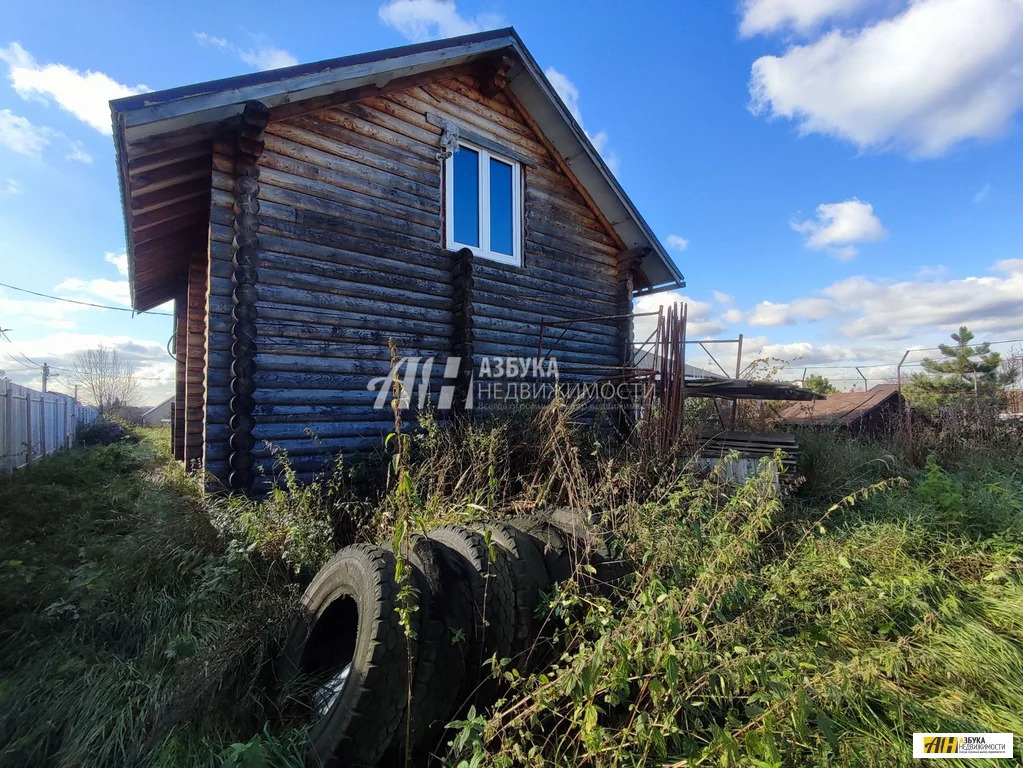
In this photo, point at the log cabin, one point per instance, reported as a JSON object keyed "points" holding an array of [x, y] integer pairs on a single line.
{"points": [[438, 194]]}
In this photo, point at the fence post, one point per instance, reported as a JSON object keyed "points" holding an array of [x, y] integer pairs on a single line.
{"points": [[8, 427], [42, 425], [28, 426]]}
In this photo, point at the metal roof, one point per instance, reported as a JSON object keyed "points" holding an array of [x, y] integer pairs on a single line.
{"points": [[841, 408], [162, 142]]}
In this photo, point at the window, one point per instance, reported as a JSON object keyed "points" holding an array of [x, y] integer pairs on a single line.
{"points": [[484, 204]]}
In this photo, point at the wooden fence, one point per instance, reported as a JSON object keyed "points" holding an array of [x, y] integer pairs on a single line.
{"points": [[34, 424]]}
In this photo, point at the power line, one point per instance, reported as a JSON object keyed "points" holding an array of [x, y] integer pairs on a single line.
{"points": [[85, 303], [21, 354]]}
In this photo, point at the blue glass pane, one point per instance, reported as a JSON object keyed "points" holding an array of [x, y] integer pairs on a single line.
{"points": [[500, 207], [467, 196]]}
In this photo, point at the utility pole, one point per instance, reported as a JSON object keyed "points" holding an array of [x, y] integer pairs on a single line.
{"points": [[47, 376]]}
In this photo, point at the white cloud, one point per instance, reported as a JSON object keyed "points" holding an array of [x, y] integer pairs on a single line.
{"points": [[767, 313], [569, 94], [839, 225], [937, 74], [44, 312], [566, 90], [879, 310], [77, 153], [807, 353], [759, 16], [981, 194], [209, 40], [722, 298], [268, 57], [11, 187], [866, 309], [20, 135], [420, 20], [83, 94], [733, 316], [677, 242], [701, 319], [99, 290], [153, 366], [261, 56], [119, 260]]}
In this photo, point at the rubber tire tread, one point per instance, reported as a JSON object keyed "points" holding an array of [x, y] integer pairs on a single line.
{"points": [[492, 591], [552, 543], [362, 723], [593, 546], [440, 668], [529, 577]]}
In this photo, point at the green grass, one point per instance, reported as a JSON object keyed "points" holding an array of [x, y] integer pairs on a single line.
{"points": [[819, 630], [130, 634]]}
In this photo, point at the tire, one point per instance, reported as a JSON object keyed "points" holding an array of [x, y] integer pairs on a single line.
{"points": [[552, 543], [446, 622], [593, 547], [529, 578], [492, 595], [347, 616]]}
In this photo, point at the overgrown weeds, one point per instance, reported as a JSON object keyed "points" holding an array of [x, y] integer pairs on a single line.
{"points": [[818, 630], [129, 629]]}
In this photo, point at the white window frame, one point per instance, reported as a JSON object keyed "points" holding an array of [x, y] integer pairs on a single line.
{"points": [[483, 250]]}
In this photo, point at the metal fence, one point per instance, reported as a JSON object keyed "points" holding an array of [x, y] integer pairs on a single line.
{"points": [[34, 424]]}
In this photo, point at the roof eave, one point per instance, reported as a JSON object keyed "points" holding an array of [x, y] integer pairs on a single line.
{"points": [[200, 106]]}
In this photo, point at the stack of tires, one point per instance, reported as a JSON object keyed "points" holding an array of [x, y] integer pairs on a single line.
{"points": [[375, 693]]}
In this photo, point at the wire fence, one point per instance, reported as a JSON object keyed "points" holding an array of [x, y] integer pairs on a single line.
{"points": [[34, 424]]}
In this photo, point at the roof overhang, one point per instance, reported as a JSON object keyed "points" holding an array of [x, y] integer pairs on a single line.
{"points": [[162, 141]]}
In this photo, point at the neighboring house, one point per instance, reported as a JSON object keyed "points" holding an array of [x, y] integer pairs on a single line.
{"points": [[158, 414], [876, 409], [440, 194]]}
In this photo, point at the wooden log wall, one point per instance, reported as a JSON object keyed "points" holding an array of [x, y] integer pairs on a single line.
{"points": [[245, 247], [180, 358], [351, 253], [195, 360], [463, 336]]}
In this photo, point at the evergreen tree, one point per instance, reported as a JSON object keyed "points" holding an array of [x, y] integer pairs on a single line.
{"points": [[965, 371]]}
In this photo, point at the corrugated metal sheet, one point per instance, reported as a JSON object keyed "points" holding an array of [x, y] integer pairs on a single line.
{"points": [[840, 409]]}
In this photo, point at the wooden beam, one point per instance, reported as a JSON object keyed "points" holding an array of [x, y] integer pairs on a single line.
{"points": [[320, 103], [494, 75], [475, 138]]}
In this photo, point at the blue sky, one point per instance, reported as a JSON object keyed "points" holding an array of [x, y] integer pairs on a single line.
{"points": [[838, 179]]}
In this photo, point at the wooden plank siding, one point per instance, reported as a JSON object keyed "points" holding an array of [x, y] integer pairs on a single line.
{"points": [[351, 254]]}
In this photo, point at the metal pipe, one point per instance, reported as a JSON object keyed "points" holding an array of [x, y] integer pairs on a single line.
{"points": [[907, 423]]}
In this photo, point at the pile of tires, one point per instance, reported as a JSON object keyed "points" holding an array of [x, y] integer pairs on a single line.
{"points": [[375, 693]]}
